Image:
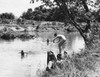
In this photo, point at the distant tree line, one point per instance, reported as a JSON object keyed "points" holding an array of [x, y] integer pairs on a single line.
{"points": [[41, 13], [7, 16]]}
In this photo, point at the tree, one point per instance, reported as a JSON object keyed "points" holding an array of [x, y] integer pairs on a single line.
{"points": [[7, 16], [27, 15], [55, 14], [74, 10], [97, 15], [41, 13], [19, 20]]}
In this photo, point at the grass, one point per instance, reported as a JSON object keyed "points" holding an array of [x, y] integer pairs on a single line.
{"points": [[78, 65]]}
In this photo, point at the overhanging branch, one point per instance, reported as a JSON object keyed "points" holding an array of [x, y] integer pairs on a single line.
{"points": [[73, 22], [85, 5]]}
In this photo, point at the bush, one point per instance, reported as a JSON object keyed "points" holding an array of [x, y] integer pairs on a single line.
{"points": [[25, 36], [7, 36]]}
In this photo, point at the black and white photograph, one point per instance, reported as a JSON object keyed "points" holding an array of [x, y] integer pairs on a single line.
{"points": [[49, 38]]}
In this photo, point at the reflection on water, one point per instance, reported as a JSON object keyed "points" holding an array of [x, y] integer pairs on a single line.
{"points": [[78, 44], [75, 42], [11, 64]]}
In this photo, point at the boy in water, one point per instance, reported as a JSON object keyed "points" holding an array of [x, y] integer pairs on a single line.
{"points": [[22, 54], [47, 41], [61, 43]]}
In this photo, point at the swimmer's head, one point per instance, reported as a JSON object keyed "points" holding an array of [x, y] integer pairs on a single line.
{"points": [[55, 34]]}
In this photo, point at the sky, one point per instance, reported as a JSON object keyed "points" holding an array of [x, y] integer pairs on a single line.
{"points": [[17, 7]]}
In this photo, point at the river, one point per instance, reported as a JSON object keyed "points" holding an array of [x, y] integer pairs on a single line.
{"points": [[11, 64]]}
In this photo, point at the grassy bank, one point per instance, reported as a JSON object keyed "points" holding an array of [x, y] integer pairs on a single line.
{"points": [[85, 64]]}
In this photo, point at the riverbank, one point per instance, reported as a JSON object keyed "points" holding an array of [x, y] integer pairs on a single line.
{"points": [[11, 32], [83, 64], [79, 65], [28, 30]]}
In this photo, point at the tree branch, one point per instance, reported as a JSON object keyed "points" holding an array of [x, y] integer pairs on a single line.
{"points": [[74, 23], [87, 10], [85, 5]]}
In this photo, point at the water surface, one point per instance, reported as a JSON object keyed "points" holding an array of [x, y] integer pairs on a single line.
{"points": [[11, 64]]}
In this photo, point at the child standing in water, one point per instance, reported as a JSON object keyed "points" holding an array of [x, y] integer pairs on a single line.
{"points": [[22, 54], [61, 42], [47, 41]]}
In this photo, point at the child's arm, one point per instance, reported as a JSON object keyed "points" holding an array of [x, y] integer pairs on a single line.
{"points": [[55, 39]]}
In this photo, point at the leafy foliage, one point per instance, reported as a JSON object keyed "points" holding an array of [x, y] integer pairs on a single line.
{"points": [[7, 16], [28, 14]]}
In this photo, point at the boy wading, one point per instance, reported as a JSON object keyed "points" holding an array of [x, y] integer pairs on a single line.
{"points": [[61, 42]]}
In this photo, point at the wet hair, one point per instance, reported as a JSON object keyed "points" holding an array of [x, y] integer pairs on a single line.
{"points": [[55, 34]]}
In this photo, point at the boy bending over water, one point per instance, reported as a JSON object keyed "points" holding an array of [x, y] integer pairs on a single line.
{"points": [[61, 42]]}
